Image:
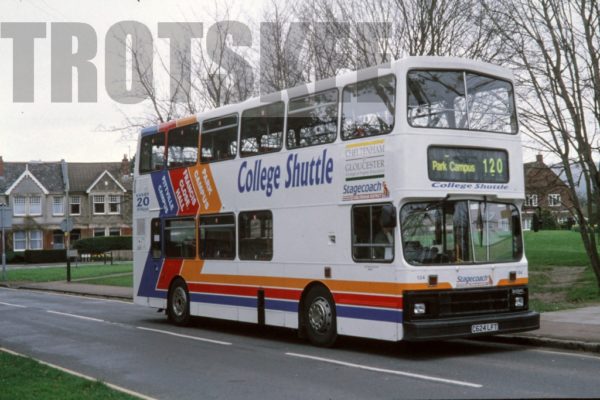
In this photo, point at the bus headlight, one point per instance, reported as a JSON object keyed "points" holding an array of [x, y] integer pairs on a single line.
{"points": [[519, 298], [419, 309], [519, 302]]}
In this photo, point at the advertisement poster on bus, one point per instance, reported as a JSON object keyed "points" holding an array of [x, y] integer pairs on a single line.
{"points": [[364, 171]]}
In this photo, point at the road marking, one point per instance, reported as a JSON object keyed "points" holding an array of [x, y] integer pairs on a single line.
{"points": [[12, 305], [185, 336], [80, 375], [75, 316], [388, 371]]}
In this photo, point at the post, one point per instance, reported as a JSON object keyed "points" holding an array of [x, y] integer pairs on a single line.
{"points": [[3, 255], [65, 173], [5, 222]]}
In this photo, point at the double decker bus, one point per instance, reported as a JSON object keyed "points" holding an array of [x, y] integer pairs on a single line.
{"points": [[382, 203]]}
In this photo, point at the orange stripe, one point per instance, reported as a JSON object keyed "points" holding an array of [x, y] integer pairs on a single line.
{"points": [[185, 121], [300, 283], [508, 282]]}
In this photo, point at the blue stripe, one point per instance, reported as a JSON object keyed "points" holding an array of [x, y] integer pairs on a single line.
{"points": [[150, 130], [291, 306], [224, 300], [373, 314]]}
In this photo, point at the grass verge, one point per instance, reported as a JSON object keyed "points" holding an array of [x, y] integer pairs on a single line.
{"points": [[60, 273], [26, 379], [124, 281], [560, 276]]}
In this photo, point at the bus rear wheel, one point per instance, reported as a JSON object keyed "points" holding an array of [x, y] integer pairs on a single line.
{"points": [[178, 304], [320, 317]]}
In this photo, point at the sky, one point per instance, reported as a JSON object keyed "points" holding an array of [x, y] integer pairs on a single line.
{"points": [[78, 131], [82, 131]]}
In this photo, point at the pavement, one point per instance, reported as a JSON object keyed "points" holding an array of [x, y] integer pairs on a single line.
{"points": [[576, 329]]}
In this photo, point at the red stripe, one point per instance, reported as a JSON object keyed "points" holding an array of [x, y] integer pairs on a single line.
{"points": [[251, 291], [165, 126], [286, 294], [170, 269], [367, 300]]}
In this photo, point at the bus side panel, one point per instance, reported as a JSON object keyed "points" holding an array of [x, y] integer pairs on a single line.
{"points": [[369, 329]]}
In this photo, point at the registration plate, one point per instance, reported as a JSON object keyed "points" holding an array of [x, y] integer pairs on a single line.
{"points": [[481, 328]]}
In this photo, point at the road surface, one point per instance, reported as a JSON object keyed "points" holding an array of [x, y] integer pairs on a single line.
{"points": [[135, 348]]}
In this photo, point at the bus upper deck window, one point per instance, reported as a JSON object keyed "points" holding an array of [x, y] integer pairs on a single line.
{"points": [[218, 139], [369, 108], [152, 153], [460, 100], [312, 119], [182, 146], [262, 130]]}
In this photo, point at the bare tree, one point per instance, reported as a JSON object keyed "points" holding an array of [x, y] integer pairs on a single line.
{"points": [[556, 47]]}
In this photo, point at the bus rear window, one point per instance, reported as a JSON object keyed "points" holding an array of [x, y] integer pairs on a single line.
{"points": [[183, 146], [460, 100], [152, 153], [369, 108]]}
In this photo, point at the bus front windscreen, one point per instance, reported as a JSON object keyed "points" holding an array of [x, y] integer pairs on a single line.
{"points": [[460, 232]]}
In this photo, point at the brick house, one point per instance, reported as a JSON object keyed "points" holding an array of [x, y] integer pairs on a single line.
{"points": [[544, 190], [99, 201]]}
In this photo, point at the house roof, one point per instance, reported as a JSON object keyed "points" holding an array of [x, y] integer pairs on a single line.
{"points": [[49, 175], [83, 175], [109, 176]]}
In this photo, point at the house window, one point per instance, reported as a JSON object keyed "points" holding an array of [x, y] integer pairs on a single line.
{"points": [[114, 232], [19, 205], [114, 204], [531, 200], [35, 205], [98, 200], [554, 200], [58, 205], [19, 241], [99, 232], [75, 205], [58, 239], [35, 240]]}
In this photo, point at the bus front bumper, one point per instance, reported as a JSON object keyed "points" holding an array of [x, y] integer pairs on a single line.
{"points": [[471, 326]]}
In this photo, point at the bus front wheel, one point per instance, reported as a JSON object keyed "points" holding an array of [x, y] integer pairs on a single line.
{"points": [[178, 307], [319, 317]]}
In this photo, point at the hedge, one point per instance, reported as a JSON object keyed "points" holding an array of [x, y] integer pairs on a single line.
{"points": [[44, 256], [103, 244], [14, 257]]}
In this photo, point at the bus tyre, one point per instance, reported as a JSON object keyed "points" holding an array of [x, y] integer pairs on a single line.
{"points": [[319, 317], [178, 304]]}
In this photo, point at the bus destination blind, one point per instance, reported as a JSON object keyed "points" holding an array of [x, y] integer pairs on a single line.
{"points": [[458, 164]]}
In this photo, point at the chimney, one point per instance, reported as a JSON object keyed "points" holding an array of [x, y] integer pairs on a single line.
{"points": [[539, 159], [125, 167], [1, 167]]}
